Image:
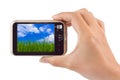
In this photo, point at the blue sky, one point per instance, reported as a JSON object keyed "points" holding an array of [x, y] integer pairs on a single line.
{"points": [[35, 32]]}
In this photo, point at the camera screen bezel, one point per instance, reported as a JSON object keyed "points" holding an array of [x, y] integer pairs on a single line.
{"points": [[59, 45]]}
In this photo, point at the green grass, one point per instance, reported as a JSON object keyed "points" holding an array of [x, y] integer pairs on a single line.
{"points": [[35, 47]]}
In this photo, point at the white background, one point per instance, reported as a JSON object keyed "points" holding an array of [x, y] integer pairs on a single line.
{"points": [[28, 67]]}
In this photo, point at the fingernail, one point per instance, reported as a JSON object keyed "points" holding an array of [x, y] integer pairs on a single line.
{"points": [[44, 60]]}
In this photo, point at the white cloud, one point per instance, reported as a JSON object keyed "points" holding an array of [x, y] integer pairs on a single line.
{"points": [[42, 29], [41, 40], [45, 28], [49, 38], [48, 30], [32, 29], [23, 29], [20, 34]]}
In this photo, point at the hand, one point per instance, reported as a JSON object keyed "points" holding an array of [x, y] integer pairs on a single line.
{"points": [[92, 56]]}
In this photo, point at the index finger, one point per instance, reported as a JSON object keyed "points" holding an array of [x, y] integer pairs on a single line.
{"points": [[73, 19]]}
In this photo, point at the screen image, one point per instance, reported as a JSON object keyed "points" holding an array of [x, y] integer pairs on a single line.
{"points": [[36, 37]]}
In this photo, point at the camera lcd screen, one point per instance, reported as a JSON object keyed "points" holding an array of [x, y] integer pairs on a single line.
{"points": [[35, 38], [38, 38]]}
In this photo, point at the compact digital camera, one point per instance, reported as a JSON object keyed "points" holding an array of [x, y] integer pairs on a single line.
{"points": [[39, 37]]}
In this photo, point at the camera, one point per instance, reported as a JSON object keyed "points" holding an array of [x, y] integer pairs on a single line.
{"points": [[39, 37]]}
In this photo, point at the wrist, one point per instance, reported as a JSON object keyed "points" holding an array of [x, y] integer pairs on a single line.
{"points": [[116, 74], [105, 73], [111, 73]]}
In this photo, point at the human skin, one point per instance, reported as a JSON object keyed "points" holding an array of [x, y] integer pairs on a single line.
{"points": [[92, 56]]}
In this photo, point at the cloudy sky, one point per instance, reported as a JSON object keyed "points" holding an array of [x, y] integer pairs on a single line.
{"points": [[35, 32]]}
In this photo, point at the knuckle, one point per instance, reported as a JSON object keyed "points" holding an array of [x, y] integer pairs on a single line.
{"points": [[102, 22], [84, 9]]}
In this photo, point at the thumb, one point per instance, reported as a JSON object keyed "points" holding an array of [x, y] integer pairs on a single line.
{"points": [[59, 61]]}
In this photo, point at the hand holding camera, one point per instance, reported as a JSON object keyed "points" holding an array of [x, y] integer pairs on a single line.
{"points": [[92, 56]]}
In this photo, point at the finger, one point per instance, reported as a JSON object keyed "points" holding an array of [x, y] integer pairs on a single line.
{"points": [[61, 17], [73, 19], [88, 17], [68, 24], [64, 16], [59, 61], [101, 24]]}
